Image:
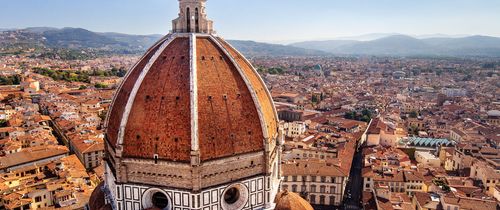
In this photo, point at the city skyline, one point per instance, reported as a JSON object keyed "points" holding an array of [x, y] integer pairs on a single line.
{"points": [[343, 112], [265, 20]]}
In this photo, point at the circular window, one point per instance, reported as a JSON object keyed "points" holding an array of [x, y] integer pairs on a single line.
{"points": [[156, 198], [235, 197], [160, 200], [232, 195]]}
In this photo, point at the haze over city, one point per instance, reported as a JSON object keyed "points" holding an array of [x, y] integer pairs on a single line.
{"points": [[266, 20]]}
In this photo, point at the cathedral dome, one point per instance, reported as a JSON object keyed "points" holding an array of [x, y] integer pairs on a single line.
{"points": [[191, 92], [192, 126], [291, 201]]}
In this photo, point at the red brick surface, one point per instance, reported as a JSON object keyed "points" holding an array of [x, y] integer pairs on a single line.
{"points": [[160, 119], [116, 114], [259, 88], [228, 120]]}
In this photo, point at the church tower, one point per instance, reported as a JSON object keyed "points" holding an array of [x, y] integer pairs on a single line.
{"points": [[192, 126]]}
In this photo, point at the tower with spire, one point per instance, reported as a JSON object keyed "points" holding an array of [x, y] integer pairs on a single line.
{"points": [[192, 126]]}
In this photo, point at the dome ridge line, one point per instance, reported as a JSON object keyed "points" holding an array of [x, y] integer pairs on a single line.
{"points": [[268, 93], [120, 86], [195, 148], [135, 89], [248, 85]]}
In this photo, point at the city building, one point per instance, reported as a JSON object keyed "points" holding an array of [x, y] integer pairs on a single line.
{"points": [[294, 129], [427, 159], [321, 183], [382, 133], [493, 117]]}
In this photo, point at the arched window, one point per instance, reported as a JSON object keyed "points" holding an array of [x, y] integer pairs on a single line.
{"points": [[188, 20], [196, 20], [332, 200], [322, 200], [322, 189], [313, 199], [332, 189], [313, 188]]}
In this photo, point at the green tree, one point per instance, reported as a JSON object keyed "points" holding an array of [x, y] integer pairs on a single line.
{"points": [[10, 80], [314, 98], [413, 114], [350, 115], [365, 118], [3, 123], [366, 112], [100, 86]]}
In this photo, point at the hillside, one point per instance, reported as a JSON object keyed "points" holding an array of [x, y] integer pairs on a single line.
{"points": [[401, 45], [46, 40], [74, 39], [251, 48]]}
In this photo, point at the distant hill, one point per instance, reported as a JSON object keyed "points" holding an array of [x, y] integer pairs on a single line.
{"points": [[392, 45], [402, 45], [251, 48], [326, 46], [140, 41], [77, 38], [39, 29], [472, 45], [81, 40]]}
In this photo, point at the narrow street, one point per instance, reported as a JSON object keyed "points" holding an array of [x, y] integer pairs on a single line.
{"points": [[352, 199]]}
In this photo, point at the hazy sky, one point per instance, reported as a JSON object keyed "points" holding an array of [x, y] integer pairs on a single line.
{"points": [[264, 20]]}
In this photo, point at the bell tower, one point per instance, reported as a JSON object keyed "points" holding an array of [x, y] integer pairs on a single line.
{"points": [[192, 18]]}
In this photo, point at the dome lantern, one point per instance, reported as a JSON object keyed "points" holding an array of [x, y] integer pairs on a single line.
{"points": [[192, 18]]}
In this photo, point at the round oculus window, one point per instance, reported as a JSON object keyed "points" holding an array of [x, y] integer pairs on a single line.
{"points": [[157, 199], [160, 200], [232, 195], [235, 197]]}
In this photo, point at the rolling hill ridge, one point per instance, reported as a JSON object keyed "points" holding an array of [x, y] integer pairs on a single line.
{"points": [[390, 45]]}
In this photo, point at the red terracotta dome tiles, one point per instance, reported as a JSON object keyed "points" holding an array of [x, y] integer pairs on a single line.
{"points": [[228, 120], [160, 120], [115, 117], [259, 88]]}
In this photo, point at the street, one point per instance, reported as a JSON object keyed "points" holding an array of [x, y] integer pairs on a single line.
{"points": [[355, 184]]}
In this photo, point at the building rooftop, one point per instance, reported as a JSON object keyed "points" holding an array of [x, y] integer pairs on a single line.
{"points": [[31, 154], [425, 142]]}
